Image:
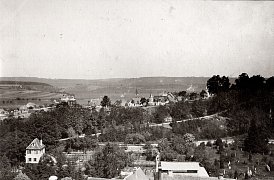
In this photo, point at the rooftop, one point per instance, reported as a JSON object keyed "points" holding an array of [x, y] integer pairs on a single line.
{"points": [[36, 144]]}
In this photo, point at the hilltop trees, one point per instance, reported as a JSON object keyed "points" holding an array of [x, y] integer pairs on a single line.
{"points": [[247, 104], [217, 84]]}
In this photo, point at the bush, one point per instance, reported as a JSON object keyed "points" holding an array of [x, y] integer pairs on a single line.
{"points": [[209, 144], [135, 138]]}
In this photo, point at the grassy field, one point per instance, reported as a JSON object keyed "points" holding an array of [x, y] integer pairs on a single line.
{"points": [[13, 98]]}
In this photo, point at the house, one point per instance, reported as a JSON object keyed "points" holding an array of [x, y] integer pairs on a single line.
{"points": [[70, 100], [35, 151], [31, 105], [181, 169], [135, 102], [158, 100]]}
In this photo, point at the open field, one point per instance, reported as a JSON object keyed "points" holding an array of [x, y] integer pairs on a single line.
{"points": [[14, 98], [14, 94]]}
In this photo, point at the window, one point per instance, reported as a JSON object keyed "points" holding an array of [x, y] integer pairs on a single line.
{"points": [[34, 159], [29, 159], [36, 152], [28, 152]]}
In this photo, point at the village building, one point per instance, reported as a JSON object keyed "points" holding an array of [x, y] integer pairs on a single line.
{"points": [[135, 102], [162, 99], [3, 114], [193, 169], [35, 151], [70, 100]]}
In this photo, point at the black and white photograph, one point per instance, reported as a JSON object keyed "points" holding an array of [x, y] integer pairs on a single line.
{"points": [[136, 89]]}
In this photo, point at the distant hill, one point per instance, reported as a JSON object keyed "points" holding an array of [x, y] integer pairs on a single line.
{"points": [[115, 88], [24, 83]]}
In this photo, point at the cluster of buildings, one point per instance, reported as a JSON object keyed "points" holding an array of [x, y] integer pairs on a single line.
{"points": [[153, 100], [159, 170], [157, 100], [138, 101], [23, 111], [26, 110]]}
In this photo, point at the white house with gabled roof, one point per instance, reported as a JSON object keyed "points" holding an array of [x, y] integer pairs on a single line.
{"points": [[35, 151]]}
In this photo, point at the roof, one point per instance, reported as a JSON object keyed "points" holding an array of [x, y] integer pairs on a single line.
{"points": [[184, 166], [30, 104], [177, 166], [36, 144], [137, 175], [179, 177]]}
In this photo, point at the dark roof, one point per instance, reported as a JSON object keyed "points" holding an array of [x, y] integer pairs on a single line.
{"points": [[36, 144]]}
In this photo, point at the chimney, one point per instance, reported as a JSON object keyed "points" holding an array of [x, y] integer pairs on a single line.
{"points": [[41, 142]]}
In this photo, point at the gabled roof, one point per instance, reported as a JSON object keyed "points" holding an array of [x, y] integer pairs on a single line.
{"points": [[36, 144], [137, 175]]}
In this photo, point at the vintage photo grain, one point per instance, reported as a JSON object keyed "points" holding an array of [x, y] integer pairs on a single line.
{"points": [[136, 90]]}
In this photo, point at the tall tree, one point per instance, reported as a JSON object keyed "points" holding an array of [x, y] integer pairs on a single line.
{"points": [[217, 84], [203, 94], [105, 102], [270, 84], [257, 140]]}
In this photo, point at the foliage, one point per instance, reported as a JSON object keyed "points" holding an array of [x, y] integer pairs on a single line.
{"points": [[125, 116], [22, 176], [202, 129], [108, 162], [143, 100], [5, 168], [105, 101], [203, 94], [161, 113], [257, 139], [180, 110], [86, 143], [135, 138], [43, 170], [217, 84], [150, 152]]}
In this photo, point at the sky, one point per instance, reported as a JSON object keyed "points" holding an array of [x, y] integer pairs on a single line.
{"points": [[98, 39]]}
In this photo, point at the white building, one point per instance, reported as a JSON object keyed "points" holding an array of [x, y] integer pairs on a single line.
{"points": [[182, 169], [35, 151], [68, 99]]}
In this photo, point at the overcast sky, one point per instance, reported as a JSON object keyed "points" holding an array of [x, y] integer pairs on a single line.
{"points": [[119, 38]]}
